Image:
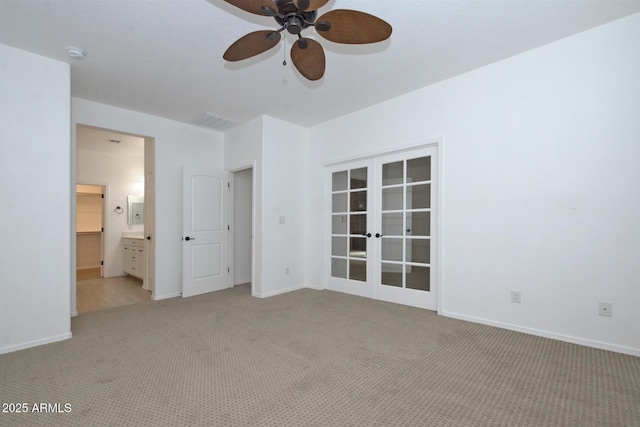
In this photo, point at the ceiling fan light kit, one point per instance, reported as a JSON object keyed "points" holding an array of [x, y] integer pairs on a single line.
{"points": [[339, 26]]}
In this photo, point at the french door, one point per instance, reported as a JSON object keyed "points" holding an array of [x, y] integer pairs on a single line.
{"points": [[381, 228], [351, 207]]}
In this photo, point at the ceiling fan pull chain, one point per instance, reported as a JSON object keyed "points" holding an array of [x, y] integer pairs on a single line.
{"points": [[284, 51]]}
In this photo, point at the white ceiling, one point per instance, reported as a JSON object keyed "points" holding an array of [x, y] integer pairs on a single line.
{"points": [[109, 142], [164, 57]]}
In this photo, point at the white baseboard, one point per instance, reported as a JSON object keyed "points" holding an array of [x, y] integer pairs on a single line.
{"points": [[279, 291], [166, 296], [74, 313], [547, 334], [35, 343]]}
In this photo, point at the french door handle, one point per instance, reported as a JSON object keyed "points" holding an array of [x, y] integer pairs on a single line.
{"points": [[368, 234], [378, 235], [189, 238]]}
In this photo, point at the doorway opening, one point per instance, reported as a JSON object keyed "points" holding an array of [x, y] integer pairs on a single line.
{"points": [[89, 231], [241, 246], [120, 167]]}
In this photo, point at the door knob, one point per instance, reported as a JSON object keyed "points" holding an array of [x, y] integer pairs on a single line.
{"points": [[368, 234], [189, 238], [378, 235]]}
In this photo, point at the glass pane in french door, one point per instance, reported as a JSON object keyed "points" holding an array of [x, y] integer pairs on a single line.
{"points": [[349, 222], [405, 219]]}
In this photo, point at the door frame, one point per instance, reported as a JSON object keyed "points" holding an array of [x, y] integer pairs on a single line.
{"points": [[231, 218], [438, 143], [149, 229], [149, 143], [104, 237]]}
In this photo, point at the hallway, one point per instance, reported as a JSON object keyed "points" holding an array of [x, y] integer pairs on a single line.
{"points": [[100, 293]]}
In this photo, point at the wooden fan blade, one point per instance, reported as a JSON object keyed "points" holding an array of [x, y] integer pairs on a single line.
{"points": [[353, 27], [251, 45], [310, 61], [254, 6], [309, 4]]}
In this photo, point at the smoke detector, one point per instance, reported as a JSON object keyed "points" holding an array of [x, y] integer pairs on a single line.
{"points": [[75, 52]]}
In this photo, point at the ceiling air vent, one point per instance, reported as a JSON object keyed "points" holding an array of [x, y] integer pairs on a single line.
{"points": [[213, 121]]}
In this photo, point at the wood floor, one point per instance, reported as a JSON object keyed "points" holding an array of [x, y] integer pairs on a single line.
{"points": [[100, 293], [88, 273]]}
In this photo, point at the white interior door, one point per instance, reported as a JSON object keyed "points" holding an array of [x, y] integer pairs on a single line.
{"points": [[405, 271], [204, 266], [381, 228], [350, 226]]}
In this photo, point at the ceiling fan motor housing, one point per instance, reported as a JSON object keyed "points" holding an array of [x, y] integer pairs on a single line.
{"points": [[293, 19]]}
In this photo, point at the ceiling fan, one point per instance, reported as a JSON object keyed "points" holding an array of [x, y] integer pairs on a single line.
{"points": [[339, 26]]}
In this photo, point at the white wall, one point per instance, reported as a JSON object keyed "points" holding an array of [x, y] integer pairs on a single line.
{"points": [[36, 196], [277, 151], [122, 173], [176, 144], [243, 149], [284, 196], [539, 185]]}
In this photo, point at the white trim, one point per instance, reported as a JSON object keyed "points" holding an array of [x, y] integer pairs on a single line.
{"points": [[166, 296], [231, 200], [231, 207], [105, 234], [254, 219], [35, 343], [230, 229], [422, 143], [149, 226], [546, 334], [440, 226], [279, 291]]}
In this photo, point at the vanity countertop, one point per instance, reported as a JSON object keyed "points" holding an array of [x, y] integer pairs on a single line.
{"points": [[133, 235]]}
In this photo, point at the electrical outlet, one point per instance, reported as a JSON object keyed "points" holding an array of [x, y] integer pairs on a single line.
{"points": [[516, 296], [604, 308]]}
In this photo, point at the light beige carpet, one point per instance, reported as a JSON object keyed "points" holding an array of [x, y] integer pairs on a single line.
{"points": [[311, 358]]}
